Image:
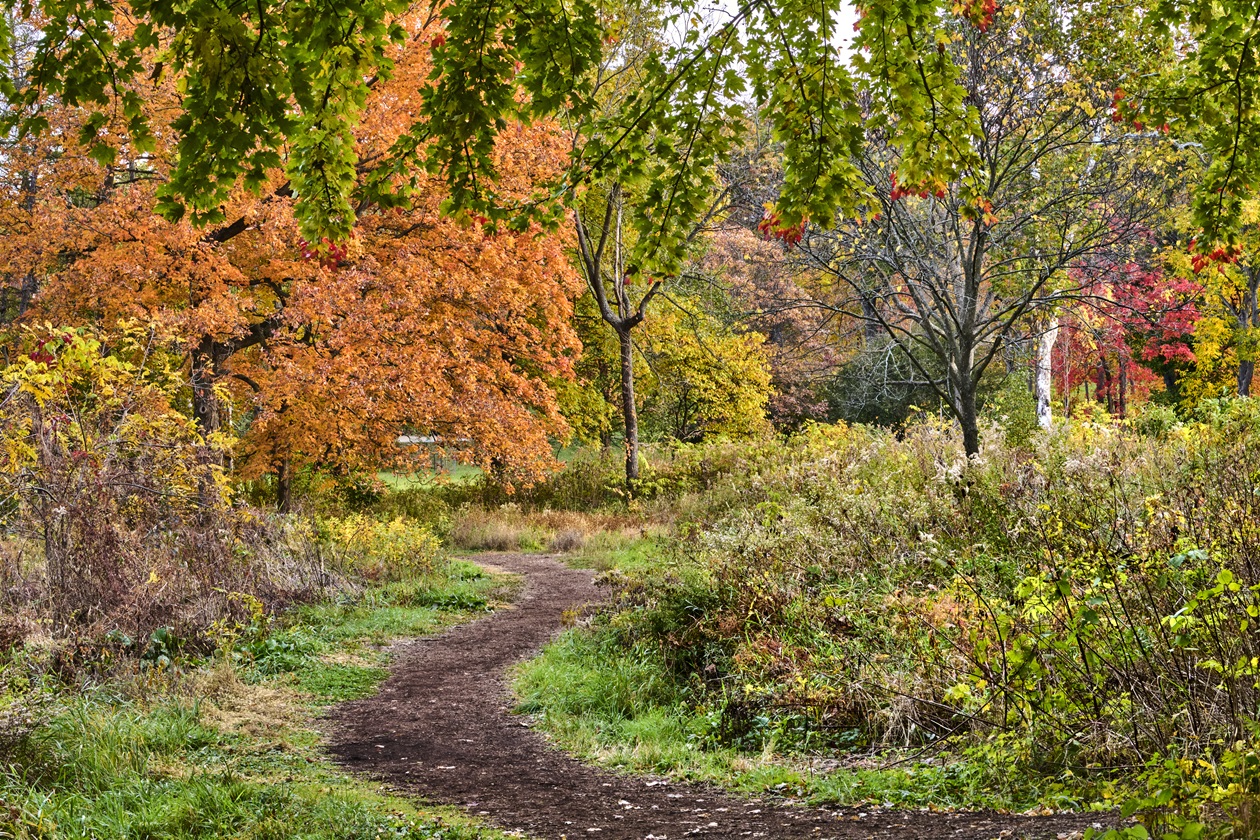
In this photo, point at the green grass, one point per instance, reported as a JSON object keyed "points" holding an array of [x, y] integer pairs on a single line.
{"points": [[111, 769], [227, 749], [333, 683], [456, 473], [617, 706], [405, 609], [619, 709], [631, 554], [451, 471]]}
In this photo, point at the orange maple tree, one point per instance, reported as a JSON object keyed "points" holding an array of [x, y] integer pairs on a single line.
{"points": [[316, 354]]}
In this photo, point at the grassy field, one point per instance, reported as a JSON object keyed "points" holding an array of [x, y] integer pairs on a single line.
{"points": [[456, 473], [451, 471], [228, 747]]}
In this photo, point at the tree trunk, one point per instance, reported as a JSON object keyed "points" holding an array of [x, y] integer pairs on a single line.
{"points": [[872, 330], [55, 523], [1042, 382], [1248, 318], [628, 410], [284, 487], [1122, 396], [27, 292], [1105, 394], [968, 418], [204, 402], [30, 284], [1170, 381]]}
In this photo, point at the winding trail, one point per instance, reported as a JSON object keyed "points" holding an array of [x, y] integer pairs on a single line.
{"points": [[441, 728]]}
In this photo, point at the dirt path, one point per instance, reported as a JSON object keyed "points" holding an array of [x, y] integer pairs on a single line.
{"points": [[440, 727]]}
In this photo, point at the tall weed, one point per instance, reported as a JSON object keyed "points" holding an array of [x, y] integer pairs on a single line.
{"points": [[1082, 610]]}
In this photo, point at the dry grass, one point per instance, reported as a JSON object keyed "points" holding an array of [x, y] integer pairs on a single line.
{"points": [[481, 530], [229, 704], [567, 541], [509, 528]]}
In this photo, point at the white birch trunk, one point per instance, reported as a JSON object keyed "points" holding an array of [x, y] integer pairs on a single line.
{"points": [[1045, 347]]}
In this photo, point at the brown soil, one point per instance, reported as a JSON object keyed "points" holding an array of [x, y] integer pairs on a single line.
{"points": [[441, 727]]}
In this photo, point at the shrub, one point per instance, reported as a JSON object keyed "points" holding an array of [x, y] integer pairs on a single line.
{"points": [[25, 699], [594, 479], [395, 549], [117, 513], [1155, 420], [1087, 606], [95, 460], [1014, 408], [423, 505]]}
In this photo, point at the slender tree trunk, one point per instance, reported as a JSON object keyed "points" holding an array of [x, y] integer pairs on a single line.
{"points": [[27, 292], [284, 486], [1249, 318], [628, 410], [969, 419], [616, 309], [872, 330], [8, 305], [30, 284], [1042, 381], [1122, 395], [1104, 386], [59, 552], [1067, 378]]}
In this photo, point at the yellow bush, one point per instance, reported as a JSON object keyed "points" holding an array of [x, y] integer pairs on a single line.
{"points": [[396, 549]]}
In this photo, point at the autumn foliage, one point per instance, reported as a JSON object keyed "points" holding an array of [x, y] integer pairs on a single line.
{"points": [[315, 353]]}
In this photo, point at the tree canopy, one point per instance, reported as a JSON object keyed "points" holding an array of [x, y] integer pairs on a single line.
{"points": [[416, 324], [273, 85]]}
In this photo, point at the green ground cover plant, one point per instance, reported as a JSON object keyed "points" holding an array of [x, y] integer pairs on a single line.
{"points": [[225, 746]]}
